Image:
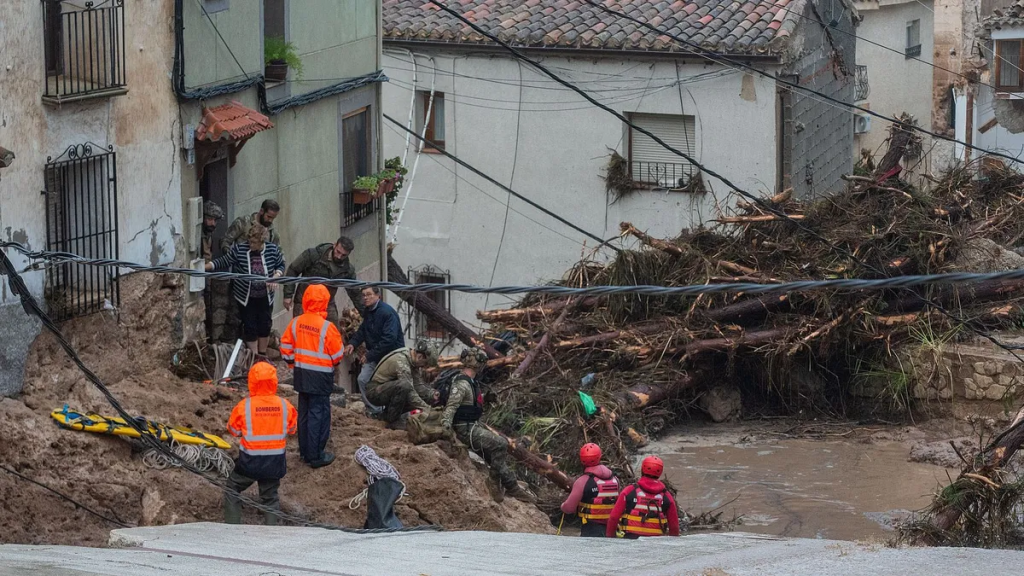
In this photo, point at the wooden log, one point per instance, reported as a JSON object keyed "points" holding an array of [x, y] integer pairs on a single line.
{"points": [[780, 198], [422, 303], [663, 245], [972, 293], [542, 464], [513, 315], [900, 138], [744, 340], [737, 268], [758, 218], [751, 309], [651, 328], [641, 396], [543, 344]]}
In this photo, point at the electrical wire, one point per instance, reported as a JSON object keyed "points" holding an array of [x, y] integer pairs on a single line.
{"points": [[65, 497], [845, 284]]}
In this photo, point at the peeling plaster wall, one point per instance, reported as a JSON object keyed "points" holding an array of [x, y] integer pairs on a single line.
{"points": [[555, 153], [142, 126]]}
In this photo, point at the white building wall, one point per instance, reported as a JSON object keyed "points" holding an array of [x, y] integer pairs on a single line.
{"points": [[551, 146], [898, 84]]}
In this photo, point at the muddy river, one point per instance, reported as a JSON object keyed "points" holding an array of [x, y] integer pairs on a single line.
{"points": [[831, 488]]}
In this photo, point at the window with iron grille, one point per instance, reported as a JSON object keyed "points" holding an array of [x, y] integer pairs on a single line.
{"points": [[356, 147], [427, 327], [862, 88], [84, 49], [81, 217], [650, 164], [1009, 57], [913, 39]]}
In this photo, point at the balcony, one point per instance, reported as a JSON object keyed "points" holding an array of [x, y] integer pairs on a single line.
{"points": [[661, 174], [84, 48]]}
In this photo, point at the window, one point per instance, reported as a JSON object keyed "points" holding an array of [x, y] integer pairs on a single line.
{"points": [[913, 39], [861, 86], [435, 122], [213, 6], [273, 19], [81, 217], [650, 164], [356, 162], [83, 50], [1009, 77], [427, 327]]}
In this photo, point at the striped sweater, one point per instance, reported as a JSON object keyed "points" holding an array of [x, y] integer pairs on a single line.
{"points": [[237, 261]]}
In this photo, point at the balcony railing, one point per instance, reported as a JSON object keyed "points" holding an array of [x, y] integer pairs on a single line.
{"points": [[862, 88], [661, 174], [84, 49]]}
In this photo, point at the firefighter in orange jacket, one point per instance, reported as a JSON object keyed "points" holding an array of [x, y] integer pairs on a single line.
{"points": [[262, 421], [312, 346], [645, 508]]}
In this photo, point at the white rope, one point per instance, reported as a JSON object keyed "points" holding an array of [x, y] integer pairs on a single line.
{"points": [[377, 468], [202, 457]]}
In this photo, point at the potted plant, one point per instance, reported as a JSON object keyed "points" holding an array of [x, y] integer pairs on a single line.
{"points": [[278, 56], [395, 166], [385, 182], [364, 189]]}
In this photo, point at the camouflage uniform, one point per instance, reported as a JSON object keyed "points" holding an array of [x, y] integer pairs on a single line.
{"points": [[481, 440], [391, 386], [239, 232], [319, 262]]}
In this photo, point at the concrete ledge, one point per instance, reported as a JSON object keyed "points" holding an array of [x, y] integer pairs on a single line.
{"points": [[218, 549]]}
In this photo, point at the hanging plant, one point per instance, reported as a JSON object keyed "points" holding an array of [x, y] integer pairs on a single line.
{"points": [[398, 171]]}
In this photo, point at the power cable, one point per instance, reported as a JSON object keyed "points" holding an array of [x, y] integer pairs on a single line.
{"points": [[846, 284], [758, 201], [65, 497], [714, 56], [225, 42], [472, 169], [32, 307]]}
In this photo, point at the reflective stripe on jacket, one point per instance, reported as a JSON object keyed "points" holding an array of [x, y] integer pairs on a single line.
{"points": [[262, 422], [312, 345], [266, 430], [645, 514], [598, 499]]}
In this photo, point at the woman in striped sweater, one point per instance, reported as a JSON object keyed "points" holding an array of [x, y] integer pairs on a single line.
{"points": [[255, 299]]}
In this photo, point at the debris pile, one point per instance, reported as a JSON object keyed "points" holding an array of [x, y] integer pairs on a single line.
{"points": [[649, 360]]}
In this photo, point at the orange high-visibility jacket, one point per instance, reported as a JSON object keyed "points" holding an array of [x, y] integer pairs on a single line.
{"points": [[263, 422], [312, 345]]}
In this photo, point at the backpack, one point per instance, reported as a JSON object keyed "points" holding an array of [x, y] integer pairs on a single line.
{"points": [[443, 385]]}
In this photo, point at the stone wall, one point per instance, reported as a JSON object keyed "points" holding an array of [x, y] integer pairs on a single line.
{"points": [[972, 371]]}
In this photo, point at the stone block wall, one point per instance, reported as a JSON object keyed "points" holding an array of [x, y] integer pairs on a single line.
{"points": [[972, 371]]}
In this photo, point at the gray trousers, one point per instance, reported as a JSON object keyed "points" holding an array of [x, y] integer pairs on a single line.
{"points": [[236, 484]]}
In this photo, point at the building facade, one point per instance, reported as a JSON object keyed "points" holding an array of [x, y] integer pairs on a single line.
{"points": [[92, 120], [469, 97]]}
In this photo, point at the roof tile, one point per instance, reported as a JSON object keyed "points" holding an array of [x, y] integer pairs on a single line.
{"points": [[229, 122], [737, 26]]}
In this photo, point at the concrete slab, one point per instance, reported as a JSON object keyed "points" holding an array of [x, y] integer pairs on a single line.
{"points": [[217, 549]]}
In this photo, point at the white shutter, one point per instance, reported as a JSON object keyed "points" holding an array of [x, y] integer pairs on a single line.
{"points": [[651, 163]]}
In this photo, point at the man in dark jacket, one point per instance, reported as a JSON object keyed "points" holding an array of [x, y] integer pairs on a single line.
{"points": [[323, 261], [381, 331]]}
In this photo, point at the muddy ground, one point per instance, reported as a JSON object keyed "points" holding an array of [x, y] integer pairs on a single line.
{"points": [[130, 351]]}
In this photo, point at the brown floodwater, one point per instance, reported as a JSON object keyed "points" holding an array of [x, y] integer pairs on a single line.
{"points": [[842, 490]]}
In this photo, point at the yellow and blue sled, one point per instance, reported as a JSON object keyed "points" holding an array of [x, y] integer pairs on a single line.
{"points": [[97, 424]]}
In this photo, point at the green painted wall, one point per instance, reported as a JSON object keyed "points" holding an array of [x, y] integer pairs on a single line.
{"points": [[336, 39], [207, 59]]}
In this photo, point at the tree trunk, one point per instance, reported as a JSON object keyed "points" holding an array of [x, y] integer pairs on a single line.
{"points": [[422, 303], [524, 314], [964, 294], [752, 309], [663, 245], [532, 354], [542, 464], [643, 395]]}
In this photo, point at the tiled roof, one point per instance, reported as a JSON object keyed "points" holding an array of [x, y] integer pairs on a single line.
{"points": [[740, 27], [1010, 17], [230, 122]]}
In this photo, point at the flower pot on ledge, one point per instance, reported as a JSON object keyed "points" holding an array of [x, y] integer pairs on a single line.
{"points": [[276, 71], [362, 196], [385, 187]]}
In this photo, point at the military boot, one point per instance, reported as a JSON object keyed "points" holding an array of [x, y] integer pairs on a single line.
{"points": [[522, 494], [494, 488]]}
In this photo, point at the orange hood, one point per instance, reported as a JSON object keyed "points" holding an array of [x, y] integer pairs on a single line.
{"points": [[262, 379], [315, 300]]}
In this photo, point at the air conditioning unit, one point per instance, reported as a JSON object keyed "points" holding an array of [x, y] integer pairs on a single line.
{"points": [[861, 123]]}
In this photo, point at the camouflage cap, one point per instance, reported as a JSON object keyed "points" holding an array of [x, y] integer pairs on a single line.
{"points": [[473, 358], [212, 210]]}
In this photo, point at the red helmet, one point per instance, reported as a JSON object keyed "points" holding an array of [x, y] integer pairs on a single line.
{"points": [[652, 466], [590, 455]]}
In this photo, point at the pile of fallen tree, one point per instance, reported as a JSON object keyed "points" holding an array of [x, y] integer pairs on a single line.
{"points": [[654, 357]]}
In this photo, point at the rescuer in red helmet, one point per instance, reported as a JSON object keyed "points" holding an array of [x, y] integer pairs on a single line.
{"points": [[645, 508], [593, 494]]}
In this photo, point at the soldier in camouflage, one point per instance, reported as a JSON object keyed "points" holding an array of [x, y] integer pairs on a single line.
{"points": [[392, 385], [462, 410], [323, 261], [212, 213], [239, 229]]}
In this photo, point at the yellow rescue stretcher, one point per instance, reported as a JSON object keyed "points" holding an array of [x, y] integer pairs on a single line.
{"points": [[97, 424]]}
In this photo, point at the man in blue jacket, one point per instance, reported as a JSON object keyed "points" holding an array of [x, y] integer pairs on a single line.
{"points": [[381, 331]]}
